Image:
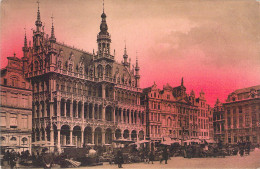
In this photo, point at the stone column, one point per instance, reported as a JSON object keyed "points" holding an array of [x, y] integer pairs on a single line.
{"points": [[103, 137], [40, 138], [130, 117], [82, 138], [103, 91], [66, 105], [40, 109], [114, 95], [87, 111], [45, 135], [71, 137], [58, 108], [76, 109], [93, 110], [71, 109], [122, 116], [51, 109], [45, 108], [58, 141], [52, 136], [93, 137], [98, 112], [103, 113], [114, 115], [82, 111]]}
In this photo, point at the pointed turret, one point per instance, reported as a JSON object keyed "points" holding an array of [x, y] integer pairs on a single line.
{"points": [[25, 47], [125, 56], [52, 38], [38, 34], [25, 40], [137, 76], [182, 81]]}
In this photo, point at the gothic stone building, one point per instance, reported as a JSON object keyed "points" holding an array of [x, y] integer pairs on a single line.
{"points": [[82, 98], [173, 113], [16, 107], [242, 114]]}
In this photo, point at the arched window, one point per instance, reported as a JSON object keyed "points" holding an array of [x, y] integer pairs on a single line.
{"points": [[36, 65], [169, 122], [3, 139], [13, 139], [24, 140], [108, 71], [100, 70]]}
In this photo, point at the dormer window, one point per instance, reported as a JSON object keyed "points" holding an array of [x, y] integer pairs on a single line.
{"points": [[59, 64], [80, 70], [70, 68]]}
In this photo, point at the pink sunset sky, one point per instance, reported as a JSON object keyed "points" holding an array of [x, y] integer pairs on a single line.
{"points": [[213, 45]]}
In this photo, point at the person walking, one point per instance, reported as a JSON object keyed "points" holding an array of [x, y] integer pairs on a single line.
{"points": [[164, 155], [119, 159], [47, 159], [12, 159], [151, 157]]}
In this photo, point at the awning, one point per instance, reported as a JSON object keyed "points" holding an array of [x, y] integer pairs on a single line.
{"points": [[169, 142], [210, 141], [142, 141], [41, 143], [123, 141], [68, 145]]}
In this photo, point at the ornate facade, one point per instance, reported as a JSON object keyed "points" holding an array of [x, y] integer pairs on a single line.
{"points": [[173, 113], [242, 116], [82, 98], [219, 121], [16, 107]]}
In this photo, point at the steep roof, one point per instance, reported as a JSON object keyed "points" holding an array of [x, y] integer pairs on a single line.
{"points": [[245, 90], [78, 54]]}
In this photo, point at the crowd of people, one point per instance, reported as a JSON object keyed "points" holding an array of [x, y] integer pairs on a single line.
{"points": [[12, 158], [128, 154]]}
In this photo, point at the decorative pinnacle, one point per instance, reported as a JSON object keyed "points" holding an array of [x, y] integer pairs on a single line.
{"points": [[38, 13], [52, 28], [125, 48], [25, 38], [103, 6], [137, 66], [182, 81], [52, 19]]}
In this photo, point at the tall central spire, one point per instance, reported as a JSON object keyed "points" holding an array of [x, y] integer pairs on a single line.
{"points": [[103, 38], [103, 25], [38, 22], [103, 7]]}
